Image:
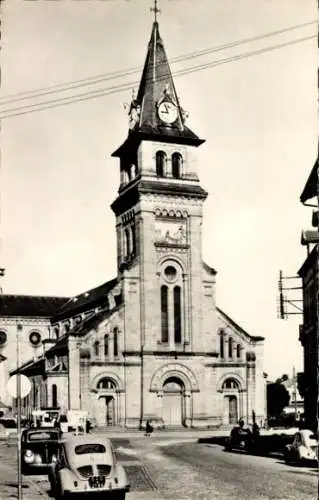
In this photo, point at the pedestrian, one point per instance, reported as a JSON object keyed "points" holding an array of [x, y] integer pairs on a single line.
{"points": [[149, 428], [88, 426]]}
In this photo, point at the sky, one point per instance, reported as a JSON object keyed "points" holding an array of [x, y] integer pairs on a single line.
{"points": [[258, 115]]}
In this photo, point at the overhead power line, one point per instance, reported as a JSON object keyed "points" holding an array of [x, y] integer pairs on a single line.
{"points": [[31, 108], [64, 87]]}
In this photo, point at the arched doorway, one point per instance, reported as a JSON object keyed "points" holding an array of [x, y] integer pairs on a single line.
{"points": [[231, 392], [107, 413], [173, 402]]}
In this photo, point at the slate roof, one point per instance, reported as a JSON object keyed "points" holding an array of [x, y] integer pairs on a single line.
{"points": [[311, 187], [157, 85], [87, 300], [30, 305]]}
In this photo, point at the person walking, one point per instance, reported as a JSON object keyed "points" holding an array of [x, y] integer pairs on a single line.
{"points": [[149, 428]]}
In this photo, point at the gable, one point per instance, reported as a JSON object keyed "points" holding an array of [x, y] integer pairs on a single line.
{"points": [[224, 321]]}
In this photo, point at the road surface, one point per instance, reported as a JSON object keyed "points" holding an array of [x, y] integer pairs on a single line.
{"points": [[161, 468]]}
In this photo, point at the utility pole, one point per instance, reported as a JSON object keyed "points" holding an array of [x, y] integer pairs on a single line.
{"points": [[289, 305], [19, 329]]}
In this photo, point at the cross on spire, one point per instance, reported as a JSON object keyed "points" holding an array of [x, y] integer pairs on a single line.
{"points": [[156, 10]]}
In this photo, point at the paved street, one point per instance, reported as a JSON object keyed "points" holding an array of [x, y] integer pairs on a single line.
{"points": [[167, 467]]}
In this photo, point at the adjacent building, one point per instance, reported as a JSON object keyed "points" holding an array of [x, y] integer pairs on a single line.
{"points": [[151, 343], [310, 275]]}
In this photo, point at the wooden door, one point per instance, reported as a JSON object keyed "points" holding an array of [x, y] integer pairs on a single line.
{"points": [[233, 410], [172, 409]]}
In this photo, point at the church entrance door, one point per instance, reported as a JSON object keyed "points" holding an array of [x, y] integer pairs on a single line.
{"points": [[106, 410], [233, 410], [173, 402]]}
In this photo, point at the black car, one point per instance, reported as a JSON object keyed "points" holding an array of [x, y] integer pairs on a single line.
{"points": [[38, 449], [244, 438]]}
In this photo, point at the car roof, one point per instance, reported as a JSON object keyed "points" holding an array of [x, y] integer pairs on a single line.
{"points": [[306, 433], [40, 430]]}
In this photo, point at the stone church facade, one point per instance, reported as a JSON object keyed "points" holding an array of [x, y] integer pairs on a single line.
{"points": [[152, 343]]}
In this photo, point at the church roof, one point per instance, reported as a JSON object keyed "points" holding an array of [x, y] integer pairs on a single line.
{"points": [[95, 297], [30, 305], [237, 327], [156, 87]]}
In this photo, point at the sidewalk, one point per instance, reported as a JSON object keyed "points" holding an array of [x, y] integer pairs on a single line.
{"points": [[120, 432], [9, 487]]}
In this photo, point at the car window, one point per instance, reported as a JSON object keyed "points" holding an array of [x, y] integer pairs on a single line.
{"points": [[83, 449], [41, 436]]}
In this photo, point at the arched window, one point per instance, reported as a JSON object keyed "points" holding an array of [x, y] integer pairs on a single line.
{"points": [[164, 312], [96, 348], [133, 234], [238, 350], [106, 344], [160, 163], [115, 342], [177, 315], [127, 242], [106, 383], [221, 344], [54, 396], [230, 347], [177, 162], [231, 383]]}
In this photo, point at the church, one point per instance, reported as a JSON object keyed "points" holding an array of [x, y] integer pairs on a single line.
{"points": [[150, 344]]}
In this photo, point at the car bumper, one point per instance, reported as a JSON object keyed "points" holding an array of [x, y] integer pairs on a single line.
{"points": [[95, 493], [36, 468]]}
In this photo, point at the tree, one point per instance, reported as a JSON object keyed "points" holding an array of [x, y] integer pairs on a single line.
{"points": [[277, 398]]}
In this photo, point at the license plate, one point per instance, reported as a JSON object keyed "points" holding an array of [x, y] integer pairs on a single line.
{"points": [[97, 481]]}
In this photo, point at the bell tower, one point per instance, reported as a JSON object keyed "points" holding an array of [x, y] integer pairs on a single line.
{"points": [[159, 217]]}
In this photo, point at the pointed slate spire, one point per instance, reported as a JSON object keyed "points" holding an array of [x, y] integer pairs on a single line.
{"points": [[155, 112], [157, 87]]}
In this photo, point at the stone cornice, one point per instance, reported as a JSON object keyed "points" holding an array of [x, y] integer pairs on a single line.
{"points": [[171, 353], [231, 365]]}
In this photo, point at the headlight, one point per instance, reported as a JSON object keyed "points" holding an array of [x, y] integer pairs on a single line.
{"points": [[28, 457], [54, 459]]}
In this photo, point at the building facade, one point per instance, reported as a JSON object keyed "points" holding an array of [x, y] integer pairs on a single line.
{"points": [[152, 343], [309, 274]]}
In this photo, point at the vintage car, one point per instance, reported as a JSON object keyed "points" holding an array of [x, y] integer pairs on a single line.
{"points": [[241, 438], [304, 448], [87, 466], [39, 448]]}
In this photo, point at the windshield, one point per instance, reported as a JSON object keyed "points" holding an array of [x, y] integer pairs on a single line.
{"points": [[83, 449]]}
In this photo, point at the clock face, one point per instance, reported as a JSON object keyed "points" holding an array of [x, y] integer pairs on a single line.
{"points": [[167, 112]]}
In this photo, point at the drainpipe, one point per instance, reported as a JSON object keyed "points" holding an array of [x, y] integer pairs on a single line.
{"points": [[142, 319]]}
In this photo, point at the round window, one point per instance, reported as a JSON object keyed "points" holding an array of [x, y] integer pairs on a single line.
{"points": [[170, 273], [3, 338], [35, 338]]}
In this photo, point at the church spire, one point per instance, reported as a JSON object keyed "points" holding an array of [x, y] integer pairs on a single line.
{"points": [[155, 112]]}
